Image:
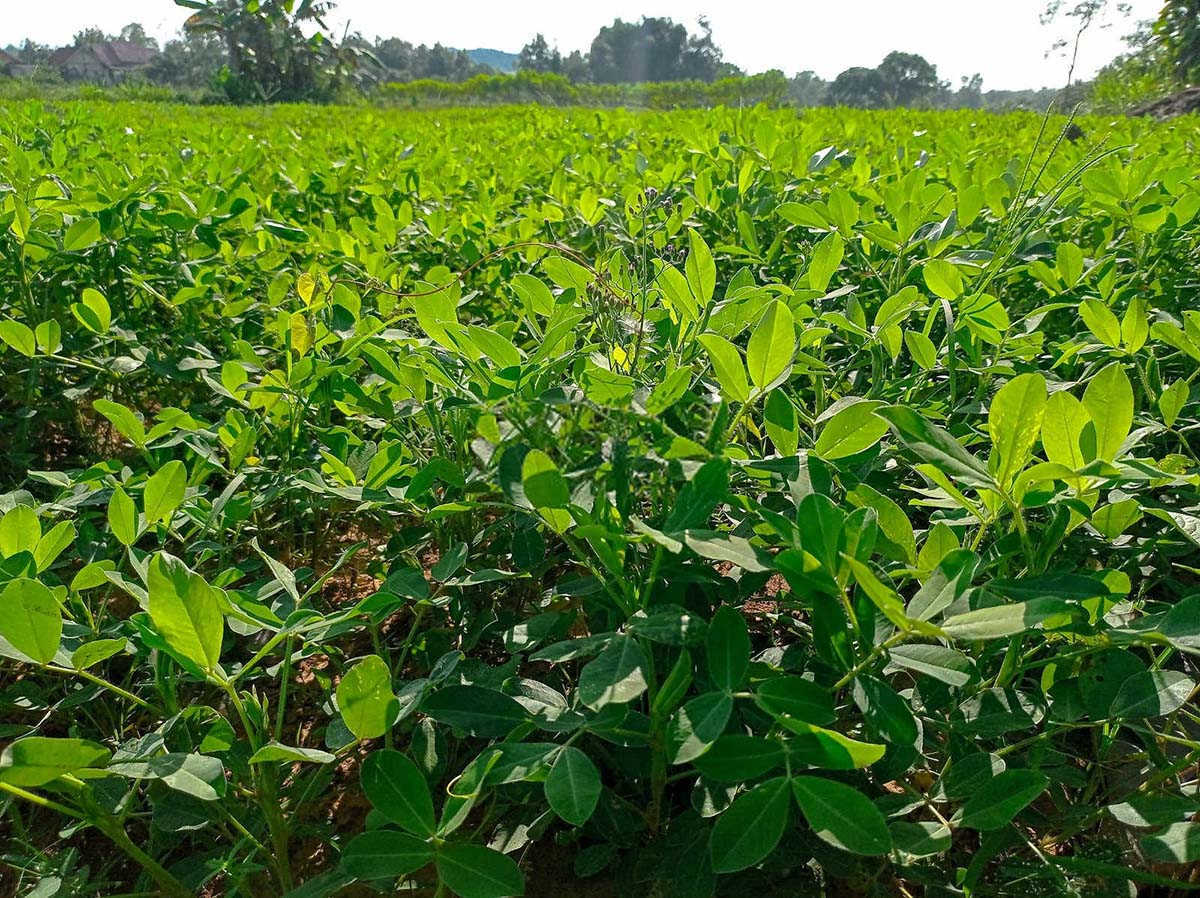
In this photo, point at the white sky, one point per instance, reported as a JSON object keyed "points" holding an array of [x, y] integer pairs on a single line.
{"points": [[1002, 39]]}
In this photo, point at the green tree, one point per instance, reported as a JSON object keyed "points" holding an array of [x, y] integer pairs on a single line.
{"points": [[134, 33], [909, 79], [194, 59], [654, 49], [1178, 29], [270, 56], [89, 37], [393, 59], [808, 89], [859, 86], [539, 56]]}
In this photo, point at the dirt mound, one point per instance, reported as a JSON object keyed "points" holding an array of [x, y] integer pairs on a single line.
{"points": [[1179, 103]]}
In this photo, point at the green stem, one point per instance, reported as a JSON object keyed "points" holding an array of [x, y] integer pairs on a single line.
{"points": [[894, 640], [92, 678], [167, 883]]}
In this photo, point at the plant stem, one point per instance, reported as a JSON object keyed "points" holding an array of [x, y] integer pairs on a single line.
{"points": [[168, 884], [92, 678]]}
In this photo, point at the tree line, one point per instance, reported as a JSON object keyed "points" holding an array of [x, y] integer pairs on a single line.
{"points": [[277, 50]]}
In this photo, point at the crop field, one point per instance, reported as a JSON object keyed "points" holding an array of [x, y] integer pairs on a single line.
{"points": [[592, 502]]}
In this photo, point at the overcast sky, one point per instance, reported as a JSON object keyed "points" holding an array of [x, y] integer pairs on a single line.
{"points": [[1001, 39]]}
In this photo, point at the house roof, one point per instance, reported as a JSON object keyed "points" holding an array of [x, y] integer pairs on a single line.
{"points": [[125, 53], [110, 54], [6, 59], [62, 54]]}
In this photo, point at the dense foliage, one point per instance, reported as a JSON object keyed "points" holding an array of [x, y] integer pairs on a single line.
{"points": [[726, 502]]}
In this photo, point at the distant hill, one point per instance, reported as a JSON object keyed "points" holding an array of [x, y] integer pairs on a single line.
{"points": [[497, 59]]}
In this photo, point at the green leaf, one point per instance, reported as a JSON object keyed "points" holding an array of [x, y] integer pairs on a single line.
{"points": [[96, 651], [892, 520], [365, 698], [300, 333], [30, 619], [1014, 422], [477, 710], [779, 416], [842, 816], [725, 547], [49, 336], [197, 775], [940, 541], [21, 222], [886, 599], [53, 543], [1003, 620], [37, 760], [397, 789], [728, 648], [122, 517], [1002, 798], [164, 492], [751, 828], [573, 786], [943, 278], [616, 676], [828, 749], [699, 497], [944, 664], [1101, 322], [700, 269], [771, 346], [670, 391], [1152, 693], [1172, 400], [1181, 626], [82, 234], [124, 420], [20, 531], [473, 871], [736, 757], [534, 293], [186, 611], [1109, 400], [92, 311], [278, 752], [921, 348], [826, 257], [385, 854], [697, 725], [544, 484], [728, 367], [1063, 426], [285, 231], [925, 838], [934, 444], [796, 697], [19, 337], [1179, 843], [854, 429]]}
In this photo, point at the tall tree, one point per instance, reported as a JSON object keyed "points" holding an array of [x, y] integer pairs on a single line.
{"points": [[89, 37], [1178, 28], [271, 58], [808, 89], [909, 79], [539, 56], [859, 86], [654, 49], [134, 33], [194, 59]]}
